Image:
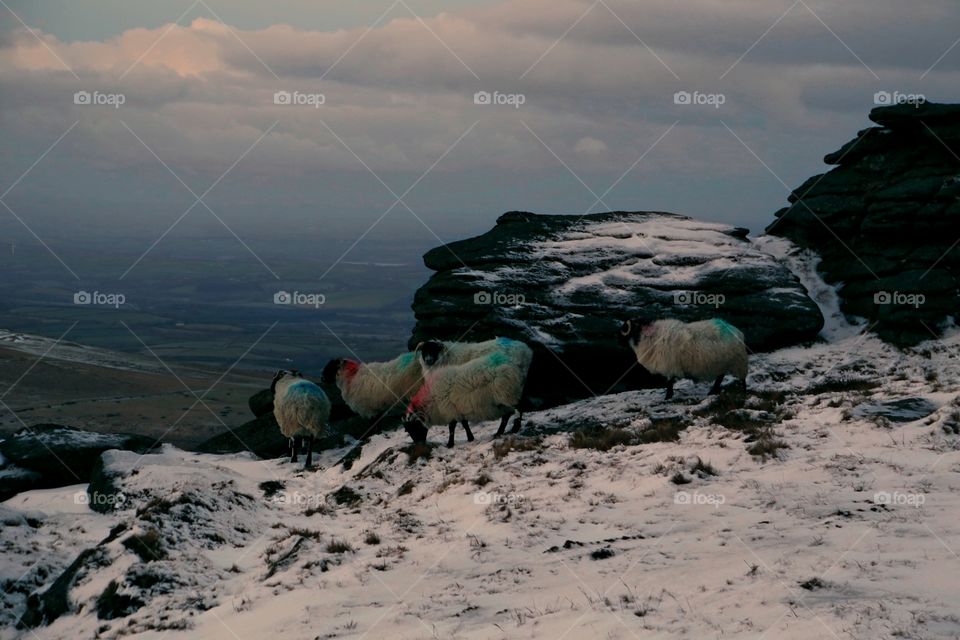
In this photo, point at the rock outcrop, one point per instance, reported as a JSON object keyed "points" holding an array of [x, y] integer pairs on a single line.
{"points": [[563, 284], [886, 220], [50, 455]]}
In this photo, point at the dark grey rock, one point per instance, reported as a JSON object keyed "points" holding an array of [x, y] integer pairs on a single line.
{"points": [[902, 410], [60, 456], [886, 220]]}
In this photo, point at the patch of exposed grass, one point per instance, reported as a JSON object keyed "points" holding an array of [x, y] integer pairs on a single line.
{"points": [[147, 545], [111, 604], [418, 451], [679, 478], [702, 469], [766, 445], [271, 488], [602, 554], [371, 538], [322, 509], [339, 546], [305, 533], [483, 479], [812, 584], [663, 430], [406, 488], [832, 386], [346, 496], [602, 439], [503, 447]]}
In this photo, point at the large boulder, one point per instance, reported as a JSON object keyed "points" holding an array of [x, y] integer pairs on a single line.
{"points": [[885, 221], [51, 455], [563, 284]]}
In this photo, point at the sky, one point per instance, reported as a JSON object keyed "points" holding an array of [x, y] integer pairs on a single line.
{"points": [[384, 134]]}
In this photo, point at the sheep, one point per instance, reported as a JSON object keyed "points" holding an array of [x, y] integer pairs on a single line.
{"points": [[484, 388], [372, 388], [434, 353], [704, 350], [301, 409]]}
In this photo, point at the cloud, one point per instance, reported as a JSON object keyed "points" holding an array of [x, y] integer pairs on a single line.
{"points": [[399, 95]]}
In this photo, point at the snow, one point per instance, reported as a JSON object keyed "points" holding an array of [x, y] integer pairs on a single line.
{"points": [[64, 350], [851, 531], [803, 263], [661, 252]]}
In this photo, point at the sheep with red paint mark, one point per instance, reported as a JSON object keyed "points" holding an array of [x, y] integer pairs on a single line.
{"points": [[373, 388], [483, 388]]}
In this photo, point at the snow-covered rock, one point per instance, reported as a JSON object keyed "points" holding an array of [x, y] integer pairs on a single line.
{"points": [[565, 283]]}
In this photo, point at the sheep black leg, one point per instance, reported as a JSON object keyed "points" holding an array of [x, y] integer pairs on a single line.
{"points": [[309, 462], [517, 423], [715, 389], [503, 425], [293, 449], [453, 428], [466, 427], [669, 389]]}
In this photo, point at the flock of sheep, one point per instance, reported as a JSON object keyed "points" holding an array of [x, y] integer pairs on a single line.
{"points": [[451, 382]]}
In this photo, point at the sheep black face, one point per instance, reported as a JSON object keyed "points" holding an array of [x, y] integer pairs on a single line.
{"points": [[281, 374], [430, 351], [330, 371], [415, 428], [631, 329]]}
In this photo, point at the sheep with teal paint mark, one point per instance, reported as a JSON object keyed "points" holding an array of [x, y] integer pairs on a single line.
{"points": [[703, 350], [372, 389], [483, 388], [436, 353], [302, 410]]}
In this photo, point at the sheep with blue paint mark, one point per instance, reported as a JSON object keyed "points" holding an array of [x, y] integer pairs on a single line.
{"points": [[704, 350], [484, 388], [302, 410], [371, 389]]}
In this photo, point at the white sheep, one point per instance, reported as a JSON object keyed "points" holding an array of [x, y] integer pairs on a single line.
{"points": [[484, 388], [436, 353], [373, 388], [704, 350], [301, 408]]}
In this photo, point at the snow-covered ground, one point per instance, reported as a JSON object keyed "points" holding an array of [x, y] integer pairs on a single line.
{"points": [[850, 531]]}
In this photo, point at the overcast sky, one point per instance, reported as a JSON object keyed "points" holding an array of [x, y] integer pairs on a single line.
{"points": [[598, 127]]}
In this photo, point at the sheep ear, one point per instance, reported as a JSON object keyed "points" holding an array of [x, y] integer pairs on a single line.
{"points": [[419, 345], [625, 328]]}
